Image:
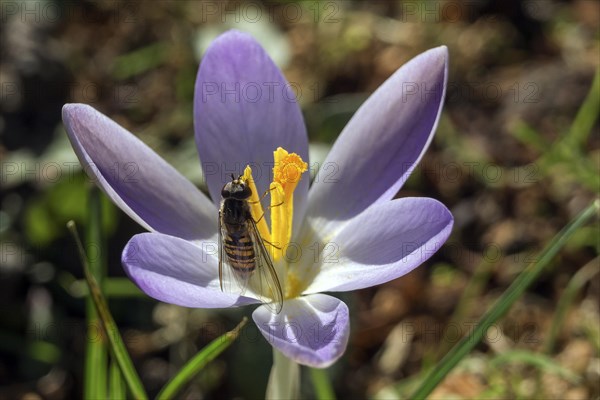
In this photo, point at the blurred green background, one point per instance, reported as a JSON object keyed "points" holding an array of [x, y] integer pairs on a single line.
{"points": [[515, 158]]}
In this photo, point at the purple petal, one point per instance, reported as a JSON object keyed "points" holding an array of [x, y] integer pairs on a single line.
{"points": [[311, 330], [176, 271], [243, 110], [383, 243], [383, 141], [137, 180]]}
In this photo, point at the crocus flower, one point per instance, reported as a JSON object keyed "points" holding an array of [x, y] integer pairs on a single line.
{"points": [[347, 232]]}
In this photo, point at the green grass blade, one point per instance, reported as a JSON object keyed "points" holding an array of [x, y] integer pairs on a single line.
{"points": [[121, 287], [581, 277], [569, 152], [521, 283], [115, 341], [116, 386], [538, 360], [527, 134], [587, 115], [199, 361], [96, 353], [473, 290], [111, 287], [321, 383], [140, 61]]}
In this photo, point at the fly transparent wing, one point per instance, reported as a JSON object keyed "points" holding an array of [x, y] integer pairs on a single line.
{"points": [[267, 283], [221, 252]]}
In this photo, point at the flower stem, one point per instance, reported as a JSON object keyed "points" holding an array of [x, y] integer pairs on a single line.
{"points": [[96, 358], [284, 381]]}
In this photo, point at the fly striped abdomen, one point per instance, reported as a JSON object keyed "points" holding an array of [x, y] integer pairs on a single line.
{"points": [[240, 253]]}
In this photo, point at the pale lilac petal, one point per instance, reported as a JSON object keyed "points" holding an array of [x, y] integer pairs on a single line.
{"points": [[311, 330], [176, 271], [383, 141], [383, 243], [137, 180], [243, 110]]}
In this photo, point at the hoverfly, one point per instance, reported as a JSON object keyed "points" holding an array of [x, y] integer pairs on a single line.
{"points": [[242, 253]]}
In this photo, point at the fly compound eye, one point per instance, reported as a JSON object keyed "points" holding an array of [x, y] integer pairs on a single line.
{"points": [[225, 192], [246, 192]]}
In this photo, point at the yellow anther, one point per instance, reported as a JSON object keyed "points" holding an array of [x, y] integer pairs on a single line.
{"points": [[255, 207], [287, 172], [279, 221]]}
